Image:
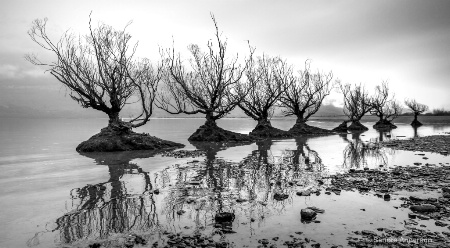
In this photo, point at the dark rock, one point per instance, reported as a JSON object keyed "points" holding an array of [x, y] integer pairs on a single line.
{"points": [[304, 193], [280, 196], [440, 223], [307, 214], [110, 140], [423, 208], [224, 217]]}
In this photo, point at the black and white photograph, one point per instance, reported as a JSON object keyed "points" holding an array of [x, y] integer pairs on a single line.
{"points": [[227, 124]]}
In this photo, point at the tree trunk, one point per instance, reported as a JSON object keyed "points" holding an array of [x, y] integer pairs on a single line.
{"points": [[116, 124], [114, 119], [300, 118], [415, 117], [210, 121], [264, 122]]}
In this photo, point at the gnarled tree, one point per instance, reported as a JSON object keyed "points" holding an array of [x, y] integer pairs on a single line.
{"points": [[417, 109], [211, 87], [384, 107], [304, 96], [357, 103], [259, 103], [100, 72]]}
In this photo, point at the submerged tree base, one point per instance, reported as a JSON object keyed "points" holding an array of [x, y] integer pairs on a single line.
{"points": [[342, 128], [110, 140], [303, 128], [357, 126], [267, 131], [416, 123], [213, 133], [384, 124]]}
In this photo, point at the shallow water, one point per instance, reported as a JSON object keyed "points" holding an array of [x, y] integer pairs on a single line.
{"points": [[52, 196]]}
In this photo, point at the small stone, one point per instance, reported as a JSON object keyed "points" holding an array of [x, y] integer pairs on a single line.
{"points": [[307, 214]]}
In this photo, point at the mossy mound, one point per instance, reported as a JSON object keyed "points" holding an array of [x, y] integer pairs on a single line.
{"points": [[342, 128], [305, 129], [416, 123], [267, 131], [210, 132], [357, 126], [384, 124], [111, 140]]}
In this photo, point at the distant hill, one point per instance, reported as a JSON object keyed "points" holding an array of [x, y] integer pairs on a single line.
{"points": [[73, 111]]}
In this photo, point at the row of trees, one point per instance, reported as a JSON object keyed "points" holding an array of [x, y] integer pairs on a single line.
{"points": [[102, 72], [382, 103]]}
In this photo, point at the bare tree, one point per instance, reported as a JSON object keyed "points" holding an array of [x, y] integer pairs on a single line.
{"points": [[357, 103], [259, 103], [211, 87], [100, 71], [304, 96], [384, 107], [417, 109]]}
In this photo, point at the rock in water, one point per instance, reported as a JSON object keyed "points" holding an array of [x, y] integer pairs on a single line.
{"points": [[224, 217], [423, 208], [307, 214], [280, 196], [110, 140]]}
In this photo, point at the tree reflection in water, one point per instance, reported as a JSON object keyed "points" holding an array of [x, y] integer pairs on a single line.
{"points": [[253, 189], [123, 204], [192, 193], [358, 153]]}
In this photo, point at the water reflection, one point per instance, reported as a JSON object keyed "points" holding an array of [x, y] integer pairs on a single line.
{"points": [[359, 154], [192, 194], [122, 204], [258, 186]]}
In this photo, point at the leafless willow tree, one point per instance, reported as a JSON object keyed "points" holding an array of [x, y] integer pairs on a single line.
{"points": [[100, 71], [211, 86], [260, 102], [417, 109], [357, 103], [304, 95], [385, 107]]}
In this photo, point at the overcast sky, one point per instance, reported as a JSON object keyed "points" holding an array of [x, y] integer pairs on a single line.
{"points": [[404, 42]]}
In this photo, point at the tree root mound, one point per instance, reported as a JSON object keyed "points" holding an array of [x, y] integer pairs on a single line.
{"points": [[384, 124], [213, 133], [110, 140], [416, 123], [267, 131], [357, 126], [303, 128], [342, 128]]}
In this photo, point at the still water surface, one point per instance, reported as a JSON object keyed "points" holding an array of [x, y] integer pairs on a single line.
{"points": [[52, 196]]}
